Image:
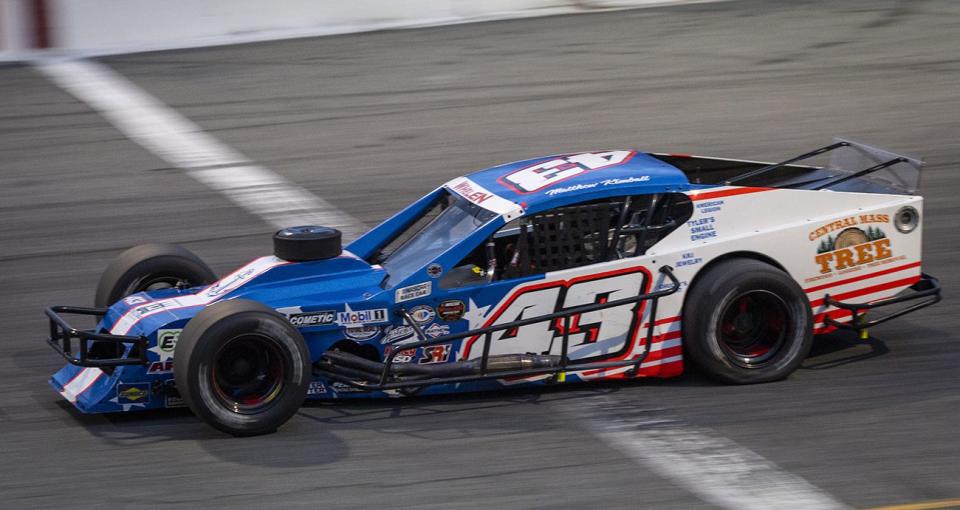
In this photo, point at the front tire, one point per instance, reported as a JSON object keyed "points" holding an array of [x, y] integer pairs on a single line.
{"points": [[746, 322], [150, 267], [242, 368]]}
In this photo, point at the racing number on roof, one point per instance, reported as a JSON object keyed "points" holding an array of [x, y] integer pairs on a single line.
{"points": [[539, 176], [602, 332]]}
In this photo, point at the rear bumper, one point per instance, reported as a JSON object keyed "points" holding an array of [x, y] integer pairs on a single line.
{"points": [[922, 294]]}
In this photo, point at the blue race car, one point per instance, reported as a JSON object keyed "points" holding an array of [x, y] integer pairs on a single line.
{"points": [[574, 267]]}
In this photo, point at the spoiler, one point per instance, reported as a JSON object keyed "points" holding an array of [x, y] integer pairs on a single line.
{"points": [[853, 166]]}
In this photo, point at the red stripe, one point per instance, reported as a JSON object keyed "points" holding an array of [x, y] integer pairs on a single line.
{"points": [[707, 195], [653, 355], [87, 387], [74, 378], [862, 277], [869, 290], [661, 322], [835, 314], [41, 24]]}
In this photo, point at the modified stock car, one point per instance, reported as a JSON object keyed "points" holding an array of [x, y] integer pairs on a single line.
{"points": [[599, 265]]}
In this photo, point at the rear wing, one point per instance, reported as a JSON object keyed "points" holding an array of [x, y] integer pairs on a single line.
{"points": [[853, 166]]}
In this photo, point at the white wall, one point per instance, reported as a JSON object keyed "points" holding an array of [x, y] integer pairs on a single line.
{"points": [[97, 27], [117, 26], [16, 27]]}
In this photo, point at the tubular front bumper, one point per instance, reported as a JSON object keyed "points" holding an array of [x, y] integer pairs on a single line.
{"points": [[926, 289], [128, 350]]}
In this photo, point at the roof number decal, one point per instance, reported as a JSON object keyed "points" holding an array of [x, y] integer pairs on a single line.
{"points": [[536, 177]]}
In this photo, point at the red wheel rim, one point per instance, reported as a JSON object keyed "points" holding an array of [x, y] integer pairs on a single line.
{"points": [[753, 328], [248, 373]]}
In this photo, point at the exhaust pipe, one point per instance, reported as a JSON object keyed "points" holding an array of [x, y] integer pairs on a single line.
{"points": [[335, 360]]}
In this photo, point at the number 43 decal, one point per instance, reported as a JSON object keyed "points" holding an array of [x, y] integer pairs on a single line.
{"points": [[541, 175], [605, 332]]}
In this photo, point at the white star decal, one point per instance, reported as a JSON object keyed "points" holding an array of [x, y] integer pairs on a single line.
{"points": [[476, 315]]}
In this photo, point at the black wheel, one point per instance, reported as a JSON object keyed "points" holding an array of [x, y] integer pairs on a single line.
{"points": [[241, 367], [150, 267], [745, 322]]}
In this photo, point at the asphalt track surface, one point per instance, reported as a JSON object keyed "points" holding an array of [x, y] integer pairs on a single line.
{"points": [[371, 121]]}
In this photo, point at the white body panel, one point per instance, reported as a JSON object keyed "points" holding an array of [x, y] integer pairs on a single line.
{"points": [[871, 260]]}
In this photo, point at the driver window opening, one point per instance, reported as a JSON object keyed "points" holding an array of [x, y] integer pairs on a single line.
{"points": [[574, 236]]}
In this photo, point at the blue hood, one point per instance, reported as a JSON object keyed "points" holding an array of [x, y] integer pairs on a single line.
{"points": [[323, 284]]}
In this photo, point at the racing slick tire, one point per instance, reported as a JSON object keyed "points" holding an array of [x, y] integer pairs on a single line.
{"points": [[241, 367], [150, 267], [745, 322], [305, 243]]}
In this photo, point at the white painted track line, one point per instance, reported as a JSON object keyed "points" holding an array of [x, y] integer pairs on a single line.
{"points": [[713, 468], [174, 138]]}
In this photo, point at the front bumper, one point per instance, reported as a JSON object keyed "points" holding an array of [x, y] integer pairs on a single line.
{"points": [[100, 350]]}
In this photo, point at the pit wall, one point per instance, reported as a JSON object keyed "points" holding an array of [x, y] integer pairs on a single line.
{"points": [[97, 27]]}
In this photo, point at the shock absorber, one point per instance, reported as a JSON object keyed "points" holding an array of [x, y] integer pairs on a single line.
{"points": [[491, 252]]}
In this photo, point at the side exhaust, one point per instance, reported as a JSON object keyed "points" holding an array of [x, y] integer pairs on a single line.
{"points": [[351, 365]]}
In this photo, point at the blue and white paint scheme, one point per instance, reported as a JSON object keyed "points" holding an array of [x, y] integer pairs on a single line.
{"points": [[353, 298]]}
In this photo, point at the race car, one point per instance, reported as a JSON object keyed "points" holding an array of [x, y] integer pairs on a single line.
{"points": [[614, 264]]}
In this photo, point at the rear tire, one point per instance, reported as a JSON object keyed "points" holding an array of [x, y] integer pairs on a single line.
{"points": [[746, 322], [150, 267], [242, 368]]}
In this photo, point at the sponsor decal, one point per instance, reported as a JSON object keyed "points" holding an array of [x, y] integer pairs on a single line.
{"points": [[308, 319], [134, 300], [404, 356], [171, 394], [853, 247], [316, 388], [361, 332], [133, 393], [709, 206], [414, 291], [422, 314], [844, 223], [436, 330], [702, 228], [160, 367], [361, 317], [167, 339], [451, 310], [398, 333], [688, 259], [166, 343], [139, 312], [339, 387], [434, 270], [466, 190], [435, 354], [551, 172]]}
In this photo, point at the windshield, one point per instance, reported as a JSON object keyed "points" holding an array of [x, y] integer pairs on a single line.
{"points": [[457, 220]]}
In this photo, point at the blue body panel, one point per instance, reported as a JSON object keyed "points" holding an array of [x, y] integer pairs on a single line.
{"points": [[321, 295], [640, 174]]}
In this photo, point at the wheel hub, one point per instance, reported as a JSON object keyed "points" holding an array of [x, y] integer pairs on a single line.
{"points": [[753, 328]]}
